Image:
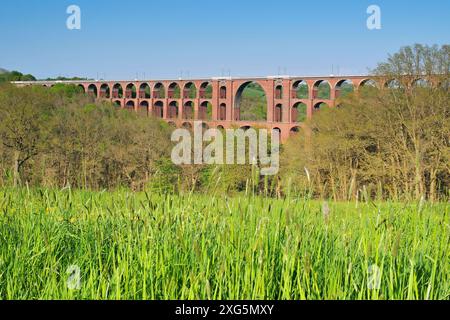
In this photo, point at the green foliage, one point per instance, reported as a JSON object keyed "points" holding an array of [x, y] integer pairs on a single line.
{"points": [[166, 177], [15, 76], [380, 143], [60, 137], [68, 91]]}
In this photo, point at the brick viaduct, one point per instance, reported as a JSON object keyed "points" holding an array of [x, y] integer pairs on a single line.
{"points": [[216, 101]]}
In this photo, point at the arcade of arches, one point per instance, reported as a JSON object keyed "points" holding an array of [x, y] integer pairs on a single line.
{"points": [[275, 103]]}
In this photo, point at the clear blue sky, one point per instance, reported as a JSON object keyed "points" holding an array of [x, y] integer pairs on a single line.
{"points": [[206, 38]]}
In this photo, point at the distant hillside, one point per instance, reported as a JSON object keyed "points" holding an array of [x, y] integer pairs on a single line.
{"points": [[2, 71]]}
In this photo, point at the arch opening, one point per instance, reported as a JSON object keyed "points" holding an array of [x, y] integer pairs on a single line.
{"points": [[144, 91], [159, 91], [92, 90], [187, 125], [173, 110], [158, 109], [222, 114], [104, 91], [320, 106], [250, 103], [279, 92], [299, 112], [368, 83], [223, 92], [173, 91], [344, 88], [205, 111], [278, 114], [276, 129], [322, 90], [188, 110], [189, 91], [129, 105], [143, 108], [294, 131], [81, 88], [421, 83], [393, 84], [130, 91], [206, 90], [300, 90], [117, 92]]}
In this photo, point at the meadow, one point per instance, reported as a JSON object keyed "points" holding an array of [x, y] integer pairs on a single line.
{"points": [[154, 246]]}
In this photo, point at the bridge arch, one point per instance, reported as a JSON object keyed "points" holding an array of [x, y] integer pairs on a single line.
{"points": [[130, 105], [320, 106], [189, 91], [188, 110], [174, 91], [278, 114], [187, 125], [117, 103], [277, 129], [393, 84], [206, 90], [250, 103], [159, 91], [300, 90], [368, 83], [130, 91], [421, 83], [105, 92], [173, 110], [222, 113], [245, 128], [344, 87], [299, 112], [144, 108], [294, 130], [117, 91], [82, 88], [223, 92], [322, 90], [158, 109], [279, 92], [144, 91], [92, 90], [205, 111]]}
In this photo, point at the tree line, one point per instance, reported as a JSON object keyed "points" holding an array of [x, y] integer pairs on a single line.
{"points": [[380, 143]]}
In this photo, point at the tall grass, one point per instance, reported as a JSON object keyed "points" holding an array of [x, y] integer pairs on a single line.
{"points": [[141, 246]]}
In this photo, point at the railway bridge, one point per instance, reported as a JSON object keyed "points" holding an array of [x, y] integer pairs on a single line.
{"points": [[217, 101]]}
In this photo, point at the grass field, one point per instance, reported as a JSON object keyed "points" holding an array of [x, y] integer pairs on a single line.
{"points": [[139, 246]]}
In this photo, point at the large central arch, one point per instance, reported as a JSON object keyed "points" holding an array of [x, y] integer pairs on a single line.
{"points": [[250, 103]]}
